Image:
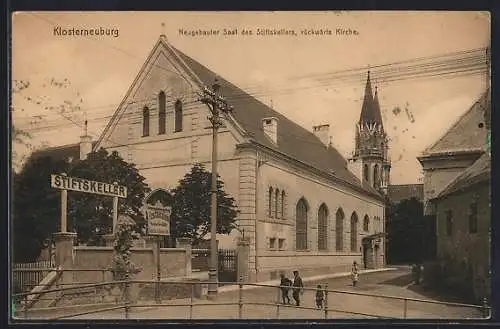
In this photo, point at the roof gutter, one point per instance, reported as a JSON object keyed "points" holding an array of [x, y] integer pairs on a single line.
{"points": [[482, 181], [254, 143]]}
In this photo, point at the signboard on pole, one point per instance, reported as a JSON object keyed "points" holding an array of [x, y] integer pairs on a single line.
{"points": [[83, 185], [158, 219]]}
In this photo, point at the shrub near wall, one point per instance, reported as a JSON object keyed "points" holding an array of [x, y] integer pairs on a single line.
{"points": [[432, 276]]}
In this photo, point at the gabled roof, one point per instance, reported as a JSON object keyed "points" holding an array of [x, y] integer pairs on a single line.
{"points": [[468, 134], [478, 172], [292, 141], [398, 193], [63, 152]]}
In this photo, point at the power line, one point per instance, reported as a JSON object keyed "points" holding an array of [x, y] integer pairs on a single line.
{"points": [[435, 57], [462, 70]]}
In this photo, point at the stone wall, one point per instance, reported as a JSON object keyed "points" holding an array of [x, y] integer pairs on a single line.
{"points": [[172, 263], [465, 256]]}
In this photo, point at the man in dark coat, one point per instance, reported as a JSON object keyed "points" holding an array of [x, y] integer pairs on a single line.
{"points": [[297, 287], [285, 287]]}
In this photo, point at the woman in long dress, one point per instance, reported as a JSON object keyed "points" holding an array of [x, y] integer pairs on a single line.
{"points": [[354, 274]]}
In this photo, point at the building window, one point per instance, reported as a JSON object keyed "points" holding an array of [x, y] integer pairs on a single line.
{"points": [[366, 223], [283, 205], [178, 115], [272, 243], [376, 182], [145, 122], [449, 223], [365, 172], [339, 230], [281, 244], [276, 204], [270, 205], [322, 227], [473, 218], [354, 232], [162, 116], [301, 225]]}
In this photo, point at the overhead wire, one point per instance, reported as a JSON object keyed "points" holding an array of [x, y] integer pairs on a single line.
{"points": [[451, 67], [463, 70]]}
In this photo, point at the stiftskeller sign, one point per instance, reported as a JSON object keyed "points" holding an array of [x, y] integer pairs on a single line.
{"points": [[87, 186]]}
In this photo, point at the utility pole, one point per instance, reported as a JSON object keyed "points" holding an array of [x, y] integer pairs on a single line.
{"points": [[216, 104]]}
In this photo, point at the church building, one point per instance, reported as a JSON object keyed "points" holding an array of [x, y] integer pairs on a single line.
{"points": [[302, 204]]}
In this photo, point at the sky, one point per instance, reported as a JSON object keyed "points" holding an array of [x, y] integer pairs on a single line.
{"points": [[76, 77]]}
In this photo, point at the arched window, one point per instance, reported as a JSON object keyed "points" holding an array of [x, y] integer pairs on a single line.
{"points": [[376, 182], [339, 230], [366, 223], [145, 121], [283, 205], [301, 225], [276, 204], [323, 227], [365, 172], [270, 205], [178, 115], [162, 116], [354, 232]]}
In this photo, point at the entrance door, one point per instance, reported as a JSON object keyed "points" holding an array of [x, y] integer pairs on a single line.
{"points": [[376, 256], [365, 255]]}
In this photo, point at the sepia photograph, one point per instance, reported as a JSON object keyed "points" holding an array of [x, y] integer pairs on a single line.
{"points": [[184, 165]]}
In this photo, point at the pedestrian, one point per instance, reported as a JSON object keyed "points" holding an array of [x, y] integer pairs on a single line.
{"points": [[285, 288], [420, 273], [354, 274], [414, 272], [320, 296], [297, 287]]}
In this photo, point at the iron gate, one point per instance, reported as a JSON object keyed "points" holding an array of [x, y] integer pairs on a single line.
{"points": [[227, 265]]}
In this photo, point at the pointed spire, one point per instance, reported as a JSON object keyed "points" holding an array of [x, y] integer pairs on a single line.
{"points": [[376, 109], [366, 108], [370, 110]]}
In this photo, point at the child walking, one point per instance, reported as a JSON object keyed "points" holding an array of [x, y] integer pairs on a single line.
{"points": [[354, 274], [320, 296]]}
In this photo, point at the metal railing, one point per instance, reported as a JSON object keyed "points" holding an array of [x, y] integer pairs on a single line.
{"points": [[248, 300]]}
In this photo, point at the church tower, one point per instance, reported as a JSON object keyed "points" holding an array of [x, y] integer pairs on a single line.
{"points": [[370, 161]]}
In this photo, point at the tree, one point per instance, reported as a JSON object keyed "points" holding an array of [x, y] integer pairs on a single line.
{"points": [[36, 207], [91, 215], [192, 204], [25, 100], [408, 232]]}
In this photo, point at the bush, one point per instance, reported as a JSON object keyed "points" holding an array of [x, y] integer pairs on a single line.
{"points": [[432, 276]]}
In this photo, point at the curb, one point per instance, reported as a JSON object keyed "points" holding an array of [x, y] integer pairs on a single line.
{"points": [[235, 287]]}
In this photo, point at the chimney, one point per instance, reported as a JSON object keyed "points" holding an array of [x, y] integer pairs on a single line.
{"points": [[323, 133], [354, 165], [270, 126], [85, 144]]}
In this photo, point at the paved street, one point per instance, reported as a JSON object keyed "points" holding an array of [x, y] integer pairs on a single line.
{"points": [[340, 305]]}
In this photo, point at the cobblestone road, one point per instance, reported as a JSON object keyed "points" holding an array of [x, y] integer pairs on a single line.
{"points": [[341, 304]]}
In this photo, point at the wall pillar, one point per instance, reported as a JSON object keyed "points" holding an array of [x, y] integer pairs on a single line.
{"points": [[109, 240], [64, 242], [185, 243], [242, 258]]}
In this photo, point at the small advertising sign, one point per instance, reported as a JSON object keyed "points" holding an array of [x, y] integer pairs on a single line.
{"points": [[158, 219]]}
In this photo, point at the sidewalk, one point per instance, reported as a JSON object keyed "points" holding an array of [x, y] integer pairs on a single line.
{"points": [[316, 278]]}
